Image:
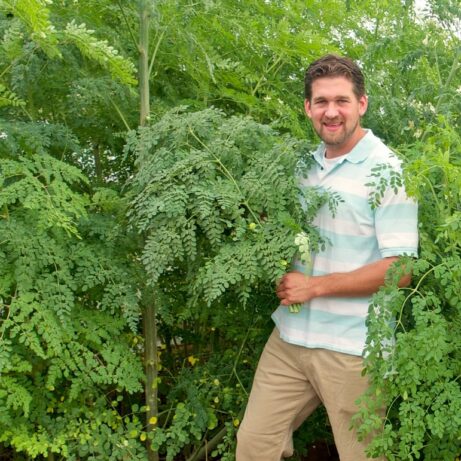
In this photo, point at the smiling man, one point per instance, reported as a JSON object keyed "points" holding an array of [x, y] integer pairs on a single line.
{"points": [[315, 356], [335, 111]]}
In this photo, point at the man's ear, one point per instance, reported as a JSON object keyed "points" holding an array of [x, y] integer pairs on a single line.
{"points": [[363, 105], [307, 108]]}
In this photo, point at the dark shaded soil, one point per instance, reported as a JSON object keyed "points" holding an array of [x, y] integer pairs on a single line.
{"points": [[321, 451]]}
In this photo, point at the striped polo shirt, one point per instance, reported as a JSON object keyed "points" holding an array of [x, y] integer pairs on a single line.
{"points": [[358, 233]]}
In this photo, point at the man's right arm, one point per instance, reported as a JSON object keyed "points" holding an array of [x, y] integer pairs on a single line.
{"points": [[295, 287]]}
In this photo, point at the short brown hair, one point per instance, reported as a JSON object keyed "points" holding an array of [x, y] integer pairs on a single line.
{"points": [[332, 65]]}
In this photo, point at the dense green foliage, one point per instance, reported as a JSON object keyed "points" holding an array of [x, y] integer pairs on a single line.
{"points": [[195, 215], [67, 291], [210, 183], [421, 371]]}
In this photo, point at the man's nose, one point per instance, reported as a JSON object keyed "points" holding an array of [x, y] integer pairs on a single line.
{"points": [[332, 110]]}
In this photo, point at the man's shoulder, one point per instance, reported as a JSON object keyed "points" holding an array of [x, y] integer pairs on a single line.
{"points": [[381, 153]]}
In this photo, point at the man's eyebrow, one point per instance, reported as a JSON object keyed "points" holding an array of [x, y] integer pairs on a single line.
{"points": [[323, 98]]}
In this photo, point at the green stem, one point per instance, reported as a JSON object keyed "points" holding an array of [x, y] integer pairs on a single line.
{"points": [[264, 75], [203, 451], [120, 113], [26, 55], [154, 53], [127, 23], [237, 358], [208, 446], [412, 292]]}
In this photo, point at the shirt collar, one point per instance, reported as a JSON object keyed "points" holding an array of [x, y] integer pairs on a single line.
{"points": [[358, 153]]}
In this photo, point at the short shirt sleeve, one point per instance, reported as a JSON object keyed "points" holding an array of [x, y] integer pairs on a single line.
{"points": [[396, 223]]}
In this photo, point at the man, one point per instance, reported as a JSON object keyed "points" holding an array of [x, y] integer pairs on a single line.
{"points": [[315, 356]]}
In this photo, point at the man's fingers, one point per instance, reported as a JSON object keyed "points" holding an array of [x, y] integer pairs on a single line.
{"points": [[280, 281]]}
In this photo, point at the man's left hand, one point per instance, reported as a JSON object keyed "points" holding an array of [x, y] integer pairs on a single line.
{"points": [[294, 288]]}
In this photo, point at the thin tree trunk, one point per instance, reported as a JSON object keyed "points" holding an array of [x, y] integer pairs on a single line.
{"points": [[151, 367], [150, 311], [144, 16]]}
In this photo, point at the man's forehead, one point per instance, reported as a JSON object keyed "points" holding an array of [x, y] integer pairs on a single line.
{"points": [[332, 87], [332, 82]]}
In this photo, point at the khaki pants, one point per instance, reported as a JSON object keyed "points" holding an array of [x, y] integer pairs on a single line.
{"points": [[290, 382]]}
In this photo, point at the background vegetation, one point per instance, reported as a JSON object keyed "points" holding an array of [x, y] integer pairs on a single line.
{"points": [[147, 205]]}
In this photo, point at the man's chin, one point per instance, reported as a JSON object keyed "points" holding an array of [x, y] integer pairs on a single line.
{"points": [[332, 140]]}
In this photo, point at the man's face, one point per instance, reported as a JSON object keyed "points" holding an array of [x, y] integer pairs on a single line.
{"points": [[335, 112]]}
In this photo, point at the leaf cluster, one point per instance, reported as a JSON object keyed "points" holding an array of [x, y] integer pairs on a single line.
{"points": [[68, 307], [215, 194], [413, 351]]}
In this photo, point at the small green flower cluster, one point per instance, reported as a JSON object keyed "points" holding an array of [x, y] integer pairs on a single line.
{"points": [[304, 248]]}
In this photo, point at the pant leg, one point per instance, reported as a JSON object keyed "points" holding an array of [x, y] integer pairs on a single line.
{"points": [[280, 396], [339, 382]]}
